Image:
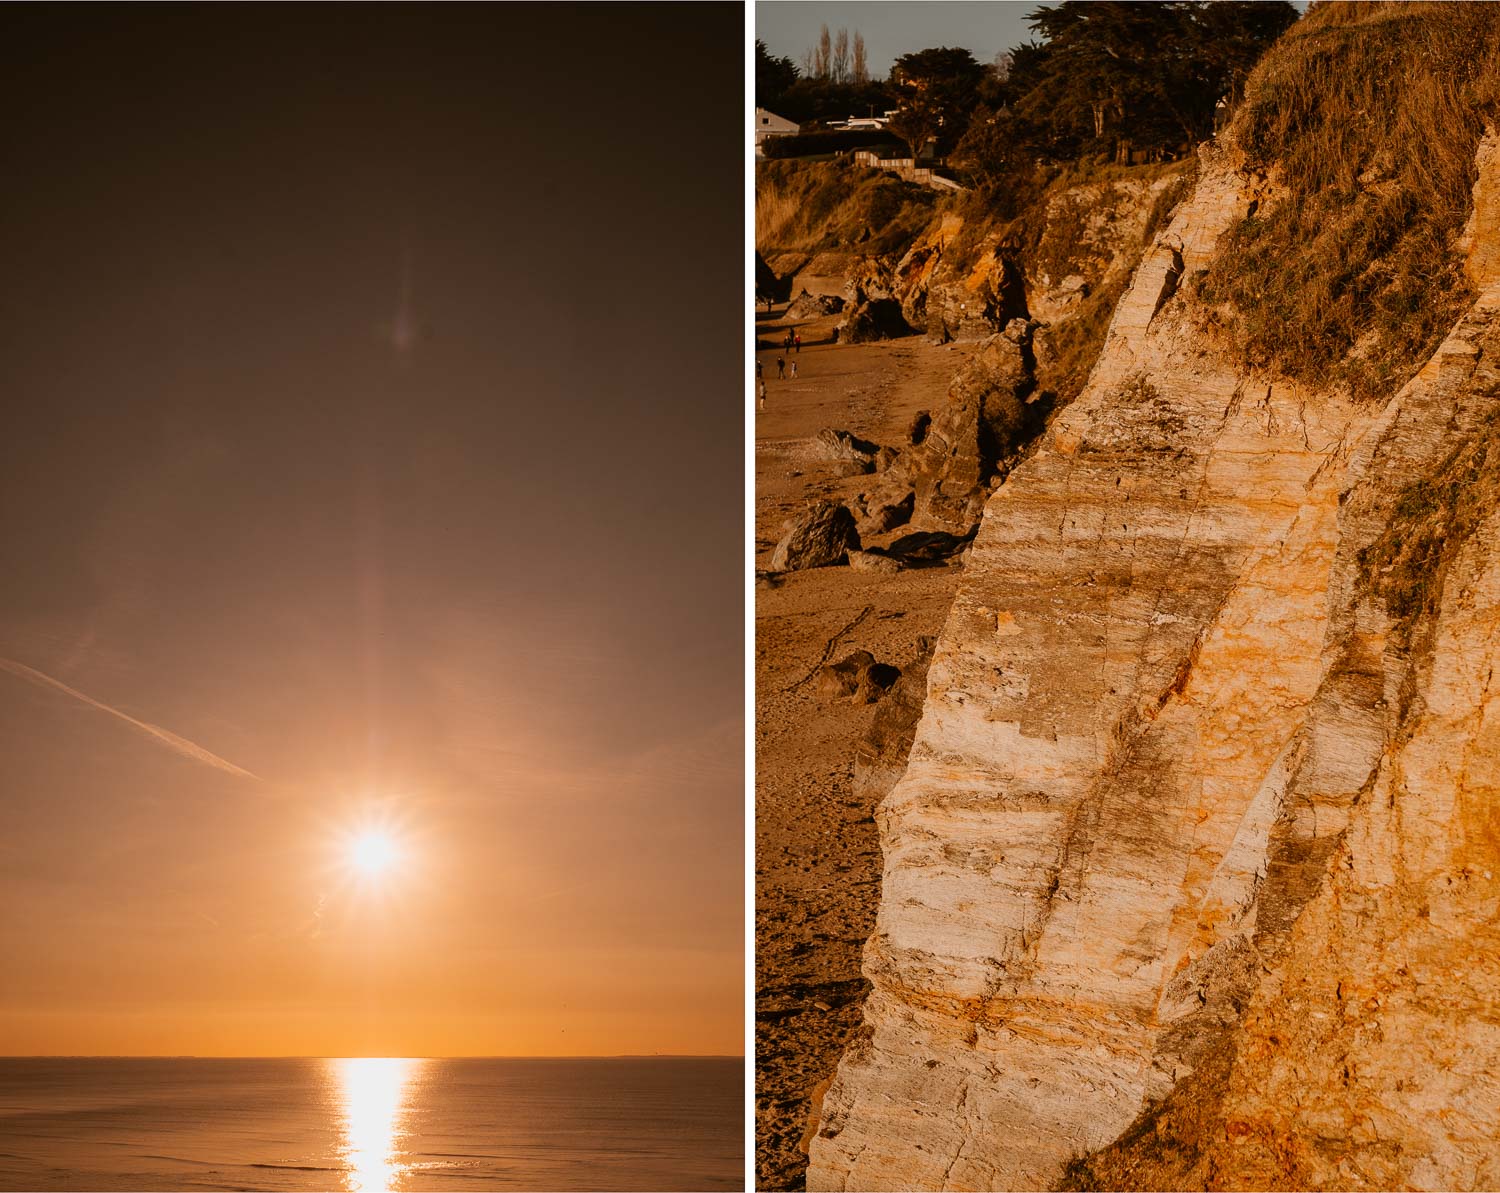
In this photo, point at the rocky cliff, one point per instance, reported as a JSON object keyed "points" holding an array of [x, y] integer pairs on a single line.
{"points": [[1193, 876], [1034, 290], [956, 267]]}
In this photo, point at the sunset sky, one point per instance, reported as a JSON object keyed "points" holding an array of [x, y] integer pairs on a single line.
{"points": [[289, 555]]}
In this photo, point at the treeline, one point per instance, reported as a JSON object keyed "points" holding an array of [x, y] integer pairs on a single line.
{"points": [[1103, 78], [833, 81]]}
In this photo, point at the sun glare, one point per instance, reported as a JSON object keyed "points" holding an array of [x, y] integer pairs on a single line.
{"points": [[372, 853], [375, 855], [373, 1090]]}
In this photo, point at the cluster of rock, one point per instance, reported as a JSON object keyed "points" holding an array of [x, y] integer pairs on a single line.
{"points": [[967, 278], [825, 534], [941, 478], [957, 455]]}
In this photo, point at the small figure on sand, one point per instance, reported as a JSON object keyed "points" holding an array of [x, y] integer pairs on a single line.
{"points": [[781, 368], [797, 342], [794, 370], [786, 340], [761, 394], [760, 369]]}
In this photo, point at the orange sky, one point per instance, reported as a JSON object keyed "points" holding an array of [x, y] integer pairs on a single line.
{"points": [[481, 584]]}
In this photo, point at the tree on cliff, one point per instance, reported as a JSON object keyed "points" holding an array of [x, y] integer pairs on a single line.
{"points": [[937, 89], [1120, 75]]}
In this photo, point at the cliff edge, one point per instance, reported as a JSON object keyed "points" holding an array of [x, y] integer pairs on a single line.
{"points": [[1192, 878]]}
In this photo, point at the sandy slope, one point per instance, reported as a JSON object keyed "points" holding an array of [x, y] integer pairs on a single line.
{"points": [[817, 856]]}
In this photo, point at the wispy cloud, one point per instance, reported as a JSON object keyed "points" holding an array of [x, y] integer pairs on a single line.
{"points": [[169, 739]]}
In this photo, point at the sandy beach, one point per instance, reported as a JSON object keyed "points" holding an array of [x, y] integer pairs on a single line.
{"points": [[817, 852]]}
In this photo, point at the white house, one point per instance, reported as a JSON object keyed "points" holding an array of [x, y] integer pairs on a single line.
{"points": [[768, 124], [863, 123]]}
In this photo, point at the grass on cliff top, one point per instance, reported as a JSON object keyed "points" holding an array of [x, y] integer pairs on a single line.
{"points": [[1369, 114], [816, 206]]}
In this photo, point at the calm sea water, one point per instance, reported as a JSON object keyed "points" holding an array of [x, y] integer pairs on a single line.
{"points": [[368, 1125]]}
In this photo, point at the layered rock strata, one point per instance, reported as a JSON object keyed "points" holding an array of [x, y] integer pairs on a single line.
{"points": [[1188, 797]]}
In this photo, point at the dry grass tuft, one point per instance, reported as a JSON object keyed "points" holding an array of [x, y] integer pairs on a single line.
{"points": [[1433, 519], [1369, 115]]}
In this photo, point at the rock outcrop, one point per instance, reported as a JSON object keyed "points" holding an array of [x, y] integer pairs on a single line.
{"points": [[962, 449], [880, 757], [822, 535], [813, 306], [871, 318], [1192, 878]]}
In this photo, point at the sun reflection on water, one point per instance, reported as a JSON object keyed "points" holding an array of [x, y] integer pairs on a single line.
{"points": [[374, 1094]]}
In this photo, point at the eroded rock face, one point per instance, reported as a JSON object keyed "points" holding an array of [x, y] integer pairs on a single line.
{"points": [[963, 284], [869, 318], [1364, 1054], [959, 449], [1192, 819], [880, 757]]}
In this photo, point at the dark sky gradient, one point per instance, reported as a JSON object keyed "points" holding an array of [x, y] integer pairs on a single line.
{"points": [[488, 589]]}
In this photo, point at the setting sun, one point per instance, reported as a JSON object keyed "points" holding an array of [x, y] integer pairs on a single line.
{"points": [[372, 853]]}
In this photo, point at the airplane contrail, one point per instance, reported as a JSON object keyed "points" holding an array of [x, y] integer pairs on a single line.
{"points": [[180, 744]]}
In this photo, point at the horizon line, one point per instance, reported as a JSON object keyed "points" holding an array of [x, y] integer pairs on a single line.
{"points": [[383, 1056]]}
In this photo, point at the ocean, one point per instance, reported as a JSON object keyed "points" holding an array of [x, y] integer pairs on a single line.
{"points": [[371, 1124]]}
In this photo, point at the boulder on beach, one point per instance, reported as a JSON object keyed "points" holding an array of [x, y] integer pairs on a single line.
{"points": [[873, 561], [858, 675], [817, 538], [881, 516], [841, 679], [842, 447]]}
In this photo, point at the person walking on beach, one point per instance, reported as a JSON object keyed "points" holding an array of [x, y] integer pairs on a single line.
{"points": [[760, 369], [798, 343], [794, 370], [761, 394], [781, 368]]}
